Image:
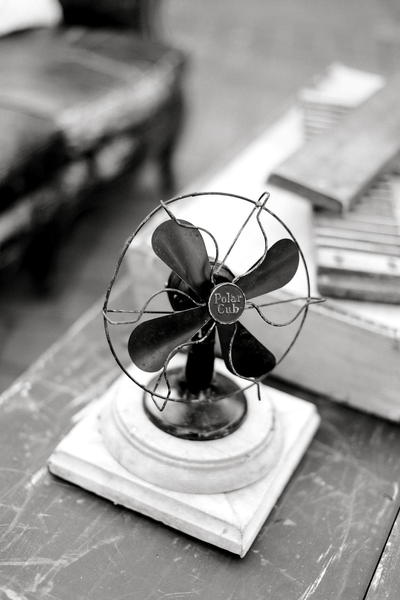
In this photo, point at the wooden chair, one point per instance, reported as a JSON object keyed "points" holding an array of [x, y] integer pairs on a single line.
{"points": [[80, 104]]}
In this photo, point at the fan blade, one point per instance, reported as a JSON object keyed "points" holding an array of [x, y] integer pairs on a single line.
{"points": [[249, 357], [151, 342], [184, 251], [276, 270]]}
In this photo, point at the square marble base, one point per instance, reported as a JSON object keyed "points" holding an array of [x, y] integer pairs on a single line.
{"points": [[229, 520]]}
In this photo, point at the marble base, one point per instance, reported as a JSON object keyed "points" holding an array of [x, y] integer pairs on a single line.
{"points": [[229, 520], [192, 466]]}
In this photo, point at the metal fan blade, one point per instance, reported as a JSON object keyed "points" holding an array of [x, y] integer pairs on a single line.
{"points": [[248, 356], [276, 270], [151, 342], [184, 251]]}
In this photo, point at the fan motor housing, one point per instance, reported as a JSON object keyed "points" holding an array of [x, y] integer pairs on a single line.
{"points": [[180, 302]]}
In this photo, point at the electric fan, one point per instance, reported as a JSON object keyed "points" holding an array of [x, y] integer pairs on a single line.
{"points": [[206, 304], [188, 434]]}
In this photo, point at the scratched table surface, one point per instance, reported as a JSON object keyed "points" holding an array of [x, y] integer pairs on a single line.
{"points": [[333, 533]]}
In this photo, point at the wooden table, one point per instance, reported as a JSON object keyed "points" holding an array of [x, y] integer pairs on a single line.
{"points": [[333, 534], [324, 539]]}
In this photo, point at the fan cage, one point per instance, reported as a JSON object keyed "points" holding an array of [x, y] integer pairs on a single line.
{"points": [[164, 206]]}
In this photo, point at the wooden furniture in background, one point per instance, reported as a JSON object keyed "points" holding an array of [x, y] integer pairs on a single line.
{"points": [[358, 251], [334, 170], [80, 104]]}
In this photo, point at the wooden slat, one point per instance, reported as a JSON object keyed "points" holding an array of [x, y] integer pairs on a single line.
{"points": [[358, 255], [357, 223], [334, 169], [374, 237], [335, 242], [352, 286], [348, 246], [351, 261]]}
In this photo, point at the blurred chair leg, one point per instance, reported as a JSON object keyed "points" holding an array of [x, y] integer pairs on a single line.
{"points": [[43, 254], [165, 155], [167, 175]]}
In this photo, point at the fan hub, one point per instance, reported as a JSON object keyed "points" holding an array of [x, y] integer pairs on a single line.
{"points": [[226, 303]]}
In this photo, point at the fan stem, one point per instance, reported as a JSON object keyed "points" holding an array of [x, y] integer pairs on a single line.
{"points": [[200, 363]]}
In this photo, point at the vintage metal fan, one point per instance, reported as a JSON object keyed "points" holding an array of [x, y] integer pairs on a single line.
{"points": [[207, 303]]}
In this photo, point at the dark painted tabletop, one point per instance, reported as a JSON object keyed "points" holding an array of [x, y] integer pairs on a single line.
{"points": [[325, 539]]}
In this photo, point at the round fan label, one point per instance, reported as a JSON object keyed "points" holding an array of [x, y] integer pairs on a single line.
{"points": [[226, 303]]}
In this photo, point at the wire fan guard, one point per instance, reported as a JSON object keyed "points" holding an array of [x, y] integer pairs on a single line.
{"points": [[210, 265]]}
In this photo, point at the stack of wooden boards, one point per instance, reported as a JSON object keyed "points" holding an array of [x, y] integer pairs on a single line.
{"points": [[347, 168]]}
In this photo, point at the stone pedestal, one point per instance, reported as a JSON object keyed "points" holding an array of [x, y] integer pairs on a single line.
{"points": [[220, 491]]}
